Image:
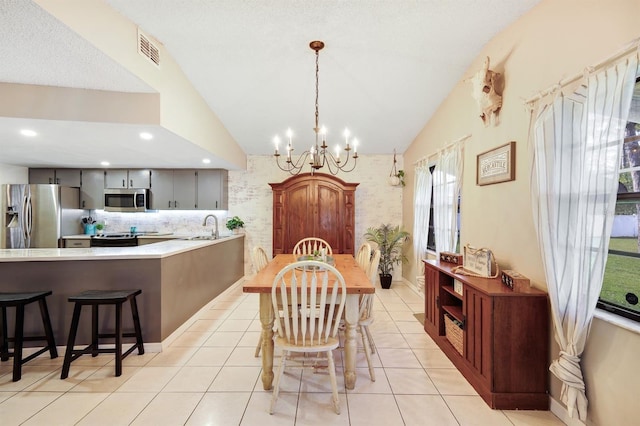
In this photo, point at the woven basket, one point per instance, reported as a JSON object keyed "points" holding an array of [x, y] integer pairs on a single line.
{"points": [[453, 332]]}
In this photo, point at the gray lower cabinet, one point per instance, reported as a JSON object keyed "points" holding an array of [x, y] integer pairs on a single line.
{"points": [[77, 243], [92, 189], [212, 189], [173, 189]]}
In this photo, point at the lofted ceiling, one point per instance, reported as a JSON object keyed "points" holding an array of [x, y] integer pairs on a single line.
{"points": [[386, 67]]}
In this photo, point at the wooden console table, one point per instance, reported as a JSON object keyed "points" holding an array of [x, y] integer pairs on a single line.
{"points": [[505, 344]]}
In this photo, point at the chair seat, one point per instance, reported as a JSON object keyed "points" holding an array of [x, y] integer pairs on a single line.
{"points": [[12, 299], [104, 296], [96, 298], [19, 301]]}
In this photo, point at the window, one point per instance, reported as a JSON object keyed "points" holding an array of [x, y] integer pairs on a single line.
{"points": [[621, 286], [431, 238]]}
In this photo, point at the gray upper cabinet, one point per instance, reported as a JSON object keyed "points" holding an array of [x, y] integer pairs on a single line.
{"points": [[170, 189], [161, 189], [65, 177], [92, 189], [212, 189], [118, 178], [42, 176], [184, 189], [173, 189]]}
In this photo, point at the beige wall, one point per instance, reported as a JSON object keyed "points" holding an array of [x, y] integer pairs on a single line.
{"points": [[557, 39]]}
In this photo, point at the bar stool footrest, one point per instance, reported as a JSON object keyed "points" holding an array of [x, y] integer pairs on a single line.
{"points": [[76, 353]]}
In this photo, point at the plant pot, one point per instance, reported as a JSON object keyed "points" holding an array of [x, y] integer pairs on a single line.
{"points": [[385, 280]]}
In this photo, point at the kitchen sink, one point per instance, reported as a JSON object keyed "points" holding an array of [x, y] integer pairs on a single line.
{"points": [[202, 237]]}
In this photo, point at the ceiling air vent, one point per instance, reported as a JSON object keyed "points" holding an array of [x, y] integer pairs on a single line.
{"points": [[147, 49]]}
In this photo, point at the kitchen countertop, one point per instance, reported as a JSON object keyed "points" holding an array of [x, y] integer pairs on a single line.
{"points": [[149, 251], [163, 235]]}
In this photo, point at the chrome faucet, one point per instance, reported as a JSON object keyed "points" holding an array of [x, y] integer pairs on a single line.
{"points": [[214, 232]]}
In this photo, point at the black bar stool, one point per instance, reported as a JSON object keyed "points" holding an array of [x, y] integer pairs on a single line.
{"points": [[19, 301], [95, 298]]}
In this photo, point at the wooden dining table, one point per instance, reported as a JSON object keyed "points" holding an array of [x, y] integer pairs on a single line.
{"points": [[357, 283]]}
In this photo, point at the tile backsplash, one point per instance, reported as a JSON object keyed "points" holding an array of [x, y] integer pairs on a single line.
{"points": [[180, 222]]}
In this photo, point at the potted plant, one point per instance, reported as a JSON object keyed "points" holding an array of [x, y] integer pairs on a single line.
{"points": [[99, 227], [397, 179], [234, 224], [390, 240]]}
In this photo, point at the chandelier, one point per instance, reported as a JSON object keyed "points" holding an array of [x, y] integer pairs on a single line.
{"points": [[318, 155]]}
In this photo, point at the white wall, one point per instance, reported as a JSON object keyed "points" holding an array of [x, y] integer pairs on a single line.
{"points": [[250, 197], [13, 174]]}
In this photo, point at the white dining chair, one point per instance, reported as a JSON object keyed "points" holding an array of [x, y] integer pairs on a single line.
{"points": [[308, 246], [298, 289], [365, 318], [363, 257], [260, 260]]}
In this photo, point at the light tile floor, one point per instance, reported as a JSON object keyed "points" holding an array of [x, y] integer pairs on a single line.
{"points": [[209, 376]]}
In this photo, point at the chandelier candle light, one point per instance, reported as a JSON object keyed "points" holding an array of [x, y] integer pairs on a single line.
{"points": [[318, 155]]}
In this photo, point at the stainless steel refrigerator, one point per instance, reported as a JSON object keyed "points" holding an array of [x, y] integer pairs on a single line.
{"points": [[36, 216]]}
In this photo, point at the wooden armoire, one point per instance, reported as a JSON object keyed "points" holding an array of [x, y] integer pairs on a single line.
{"points": [[317, 205]]}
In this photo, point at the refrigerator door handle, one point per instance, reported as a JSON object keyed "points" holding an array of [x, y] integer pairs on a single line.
{"points": [[28, 223], [23, 221]]}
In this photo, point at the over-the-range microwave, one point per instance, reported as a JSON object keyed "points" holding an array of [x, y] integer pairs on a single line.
{"points": [[126, 200]]}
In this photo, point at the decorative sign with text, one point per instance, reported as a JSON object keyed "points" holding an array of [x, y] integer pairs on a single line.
{"points": [[478, 261], [497, 165]]}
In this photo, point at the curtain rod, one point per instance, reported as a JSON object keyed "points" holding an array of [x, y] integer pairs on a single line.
{"points": [[627, 49], [424, 158]]}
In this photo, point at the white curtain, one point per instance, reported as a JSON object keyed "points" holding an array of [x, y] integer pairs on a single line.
{"points": [[447, 180], [421, 207], [577, 142]]}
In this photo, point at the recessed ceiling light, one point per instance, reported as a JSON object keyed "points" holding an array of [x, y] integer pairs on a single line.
{"points": [[104, 163], [206, 161], [146, 136], [27, 132]]}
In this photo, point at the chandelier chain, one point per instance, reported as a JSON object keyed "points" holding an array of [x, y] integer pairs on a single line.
{"points": [[317, 91]]}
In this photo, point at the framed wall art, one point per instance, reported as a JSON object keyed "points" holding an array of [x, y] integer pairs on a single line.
{"points": [[497, 165]]}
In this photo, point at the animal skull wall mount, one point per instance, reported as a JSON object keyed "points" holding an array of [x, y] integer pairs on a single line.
{"points": [[487, 93]]}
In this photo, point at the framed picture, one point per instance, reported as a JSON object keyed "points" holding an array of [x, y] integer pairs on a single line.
{"points": [[497, 165]]}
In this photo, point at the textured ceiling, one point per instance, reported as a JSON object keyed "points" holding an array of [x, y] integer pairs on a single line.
{"points": [[37, 49], [386, 67]]}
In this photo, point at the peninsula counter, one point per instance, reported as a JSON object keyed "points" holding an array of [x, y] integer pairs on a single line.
{"points": [[177, 278]]}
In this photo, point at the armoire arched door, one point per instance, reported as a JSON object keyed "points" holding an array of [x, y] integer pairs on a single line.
{"points": [[317, 205]]}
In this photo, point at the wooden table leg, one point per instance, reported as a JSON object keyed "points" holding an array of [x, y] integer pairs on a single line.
{"points": [[266, 318], [350, 344]]}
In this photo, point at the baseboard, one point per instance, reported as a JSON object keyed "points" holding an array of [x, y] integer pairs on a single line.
{"points": [[560, 411], [412, 286]]}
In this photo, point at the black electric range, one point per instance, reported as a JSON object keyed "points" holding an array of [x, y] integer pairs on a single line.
{"points": [[114, 240]]}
